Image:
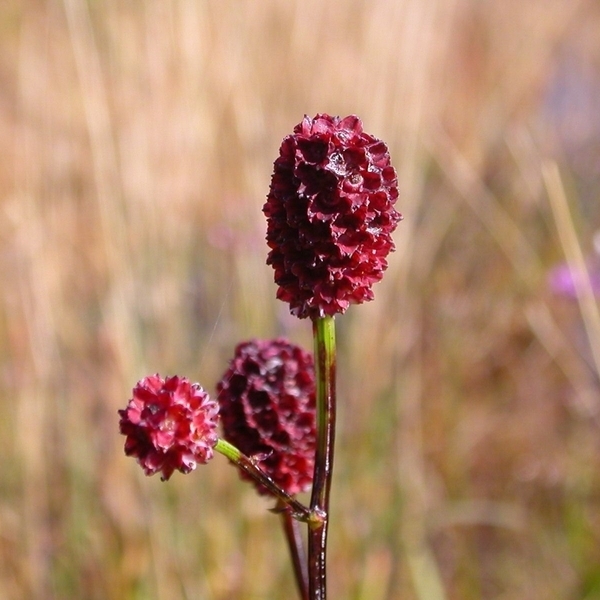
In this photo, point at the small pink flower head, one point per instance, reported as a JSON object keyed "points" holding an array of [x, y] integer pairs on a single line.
{"points": [[267, 405], [170, 424], [330, 215]]}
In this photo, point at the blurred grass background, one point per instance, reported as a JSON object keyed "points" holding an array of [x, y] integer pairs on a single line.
{"points": [[137, 140]]}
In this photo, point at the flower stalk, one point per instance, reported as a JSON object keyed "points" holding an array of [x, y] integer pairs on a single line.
{"points": [[325, 365], [293, 536], [250, 467]]}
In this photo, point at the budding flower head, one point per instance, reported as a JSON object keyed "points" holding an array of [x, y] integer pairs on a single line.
{"points": [[267, 407], [330, 215], [170, 424]]}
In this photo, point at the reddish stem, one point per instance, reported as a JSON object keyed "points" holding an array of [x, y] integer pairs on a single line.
{"points": [[291, 528]]}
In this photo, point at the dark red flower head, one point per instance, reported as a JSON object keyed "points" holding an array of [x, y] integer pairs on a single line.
{"points": [[330, 215], [170, 425], [267, 407]]}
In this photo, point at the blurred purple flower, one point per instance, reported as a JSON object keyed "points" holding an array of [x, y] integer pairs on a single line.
{"points": [[564, 282]]}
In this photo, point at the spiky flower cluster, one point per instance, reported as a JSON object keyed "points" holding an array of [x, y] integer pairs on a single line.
{"points": [[170, 425], [267, 407], [330, 215]]}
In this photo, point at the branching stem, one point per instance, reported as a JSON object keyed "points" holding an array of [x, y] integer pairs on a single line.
{"points": [[296, 509]]}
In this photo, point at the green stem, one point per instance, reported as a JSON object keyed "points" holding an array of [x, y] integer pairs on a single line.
{"points": [[325, 363], [296, 509]]}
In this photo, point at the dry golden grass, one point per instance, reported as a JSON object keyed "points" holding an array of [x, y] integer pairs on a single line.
{"points": [[137, 140]]}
